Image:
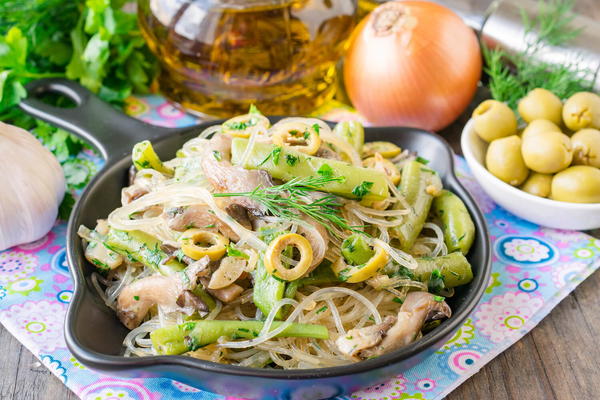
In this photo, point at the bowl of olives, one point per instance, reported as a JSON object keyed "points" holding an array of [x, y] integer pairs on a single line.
{"points": [[542, 163]]}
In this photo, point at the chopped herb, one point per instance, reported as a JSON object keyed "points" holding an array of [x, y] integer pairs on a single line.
{"points": [[243, 330], [422, 160], [233, 252], [317, 128], [439, 299], [306, 135], [436, 282], [325, 171], [275, 153], [100, 263], [320, 310], [294, 132], [209, 226], [349, 337], [179, 254], [136, 298], [190, 226], [217, 155], [291, 160], [404, 272], [241, 125], [362, 190], [398, 300]]}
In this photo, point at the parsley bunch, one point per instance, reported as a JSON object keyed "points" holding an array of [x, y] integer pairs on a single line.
{"points": [[94, 42]]}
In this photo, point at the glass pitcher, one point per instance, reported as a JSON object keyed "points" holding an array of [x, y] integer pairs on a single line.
{"points": [[220, 56]]}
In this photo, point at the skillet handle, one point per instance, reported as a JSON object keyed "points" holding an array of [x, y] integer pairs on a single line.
{"points": [[110, 131]]}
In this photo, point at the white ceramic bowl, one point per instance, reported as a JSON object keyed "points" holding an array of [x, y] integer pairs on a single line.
{"points": [[546, 212]]}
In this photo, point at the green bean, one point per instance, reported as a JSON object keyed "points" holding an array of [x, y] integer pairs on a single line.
{"points": [[144, 157], [356, 250], [352, 132], [139, 246], [190, 336], [268, 290], [322, 275], [454, 269], [372, 183], [419, 184], [458, 227]]}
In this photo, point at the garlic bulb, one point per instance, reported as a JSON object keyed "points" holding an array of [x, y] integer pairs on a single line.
{"points": [[32, 186]]}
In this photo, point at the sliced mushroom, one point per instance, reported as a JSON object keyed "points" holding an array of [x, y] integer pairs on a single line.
{"points": [[132, 193], [417, 309], [393, 333], [230, 270], [226, 294], [166, 291], [240, 214], [357, 340], [318, 237], [225, 177], [196, 216]]}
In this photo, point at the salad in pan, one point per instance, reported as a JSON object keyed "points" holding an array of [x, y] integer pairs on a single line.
{"points": [[290, 245]]}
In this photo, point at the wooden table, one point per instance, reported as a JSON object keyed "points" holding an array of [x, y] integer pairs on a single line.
{"points": [[559, 359]]}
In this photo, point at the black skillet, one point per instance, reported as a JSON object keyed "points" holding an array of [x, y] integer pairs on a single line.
{"points": [[93, 332]]}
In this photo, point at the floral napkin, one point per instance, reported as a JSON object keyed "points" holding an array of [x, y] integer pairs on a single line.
{"points": [[533, 269]]}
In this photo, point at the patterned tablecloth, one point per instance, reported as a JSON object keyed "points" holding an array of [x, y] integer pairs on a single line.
{"points": [[533, 269]]}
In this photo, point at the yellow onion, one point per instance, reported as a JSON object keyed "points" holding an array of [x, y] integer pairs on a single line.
{"points": [[412, 63]]}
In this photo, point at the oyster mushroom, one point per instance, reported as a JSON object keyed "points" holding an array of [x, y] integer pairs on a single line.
{"points": [[172, 293], [417, 309]]}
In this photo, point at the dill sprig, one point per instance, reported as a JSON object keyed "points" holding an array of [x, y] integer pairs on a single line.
{"points": [[292, 198], [512, 76]]}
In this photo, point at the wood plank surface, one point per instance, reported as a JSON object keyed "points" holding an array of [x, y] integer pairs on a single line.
{"points": [[559, 359]]}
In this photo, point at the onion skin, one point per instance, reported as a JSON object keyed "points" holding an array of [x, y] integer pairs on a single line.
{"points": [[412, 63]]}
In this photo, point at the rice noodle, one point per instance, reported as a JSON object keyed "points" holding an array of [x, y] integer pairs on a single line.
{"points": [[401, 257], [266, 334]]}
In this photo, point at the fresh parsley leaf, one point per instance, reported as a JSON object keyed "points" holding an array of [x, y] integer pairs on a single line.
{"points": [[363, 189], [325, 171], [316, 128], [422, 160], [217, 155], [64, 210], [291, 160], [274, 154], [233, 252]]}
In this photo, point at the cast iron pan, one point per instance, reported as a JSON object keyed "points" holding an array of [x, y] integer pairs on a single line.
{"points": [[93, 332]]}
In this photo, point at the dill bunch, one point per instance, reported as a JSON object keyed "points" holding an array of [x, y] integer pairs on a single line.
{"points": [[290, 199], [512, 76]]}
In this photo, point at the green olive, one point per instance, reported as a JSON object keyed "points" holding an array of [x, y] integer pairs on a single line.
{"points": [[504, 160], [539, 125], [578, 184], [541, 104], [494, 120], [386, 149], [538, 184], [582, 110], [547, 152], [586, 147]]}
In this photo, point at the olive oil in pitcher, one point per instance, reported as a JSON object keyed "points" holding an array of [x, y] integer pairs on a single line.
{"points": [[220, 56]]}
